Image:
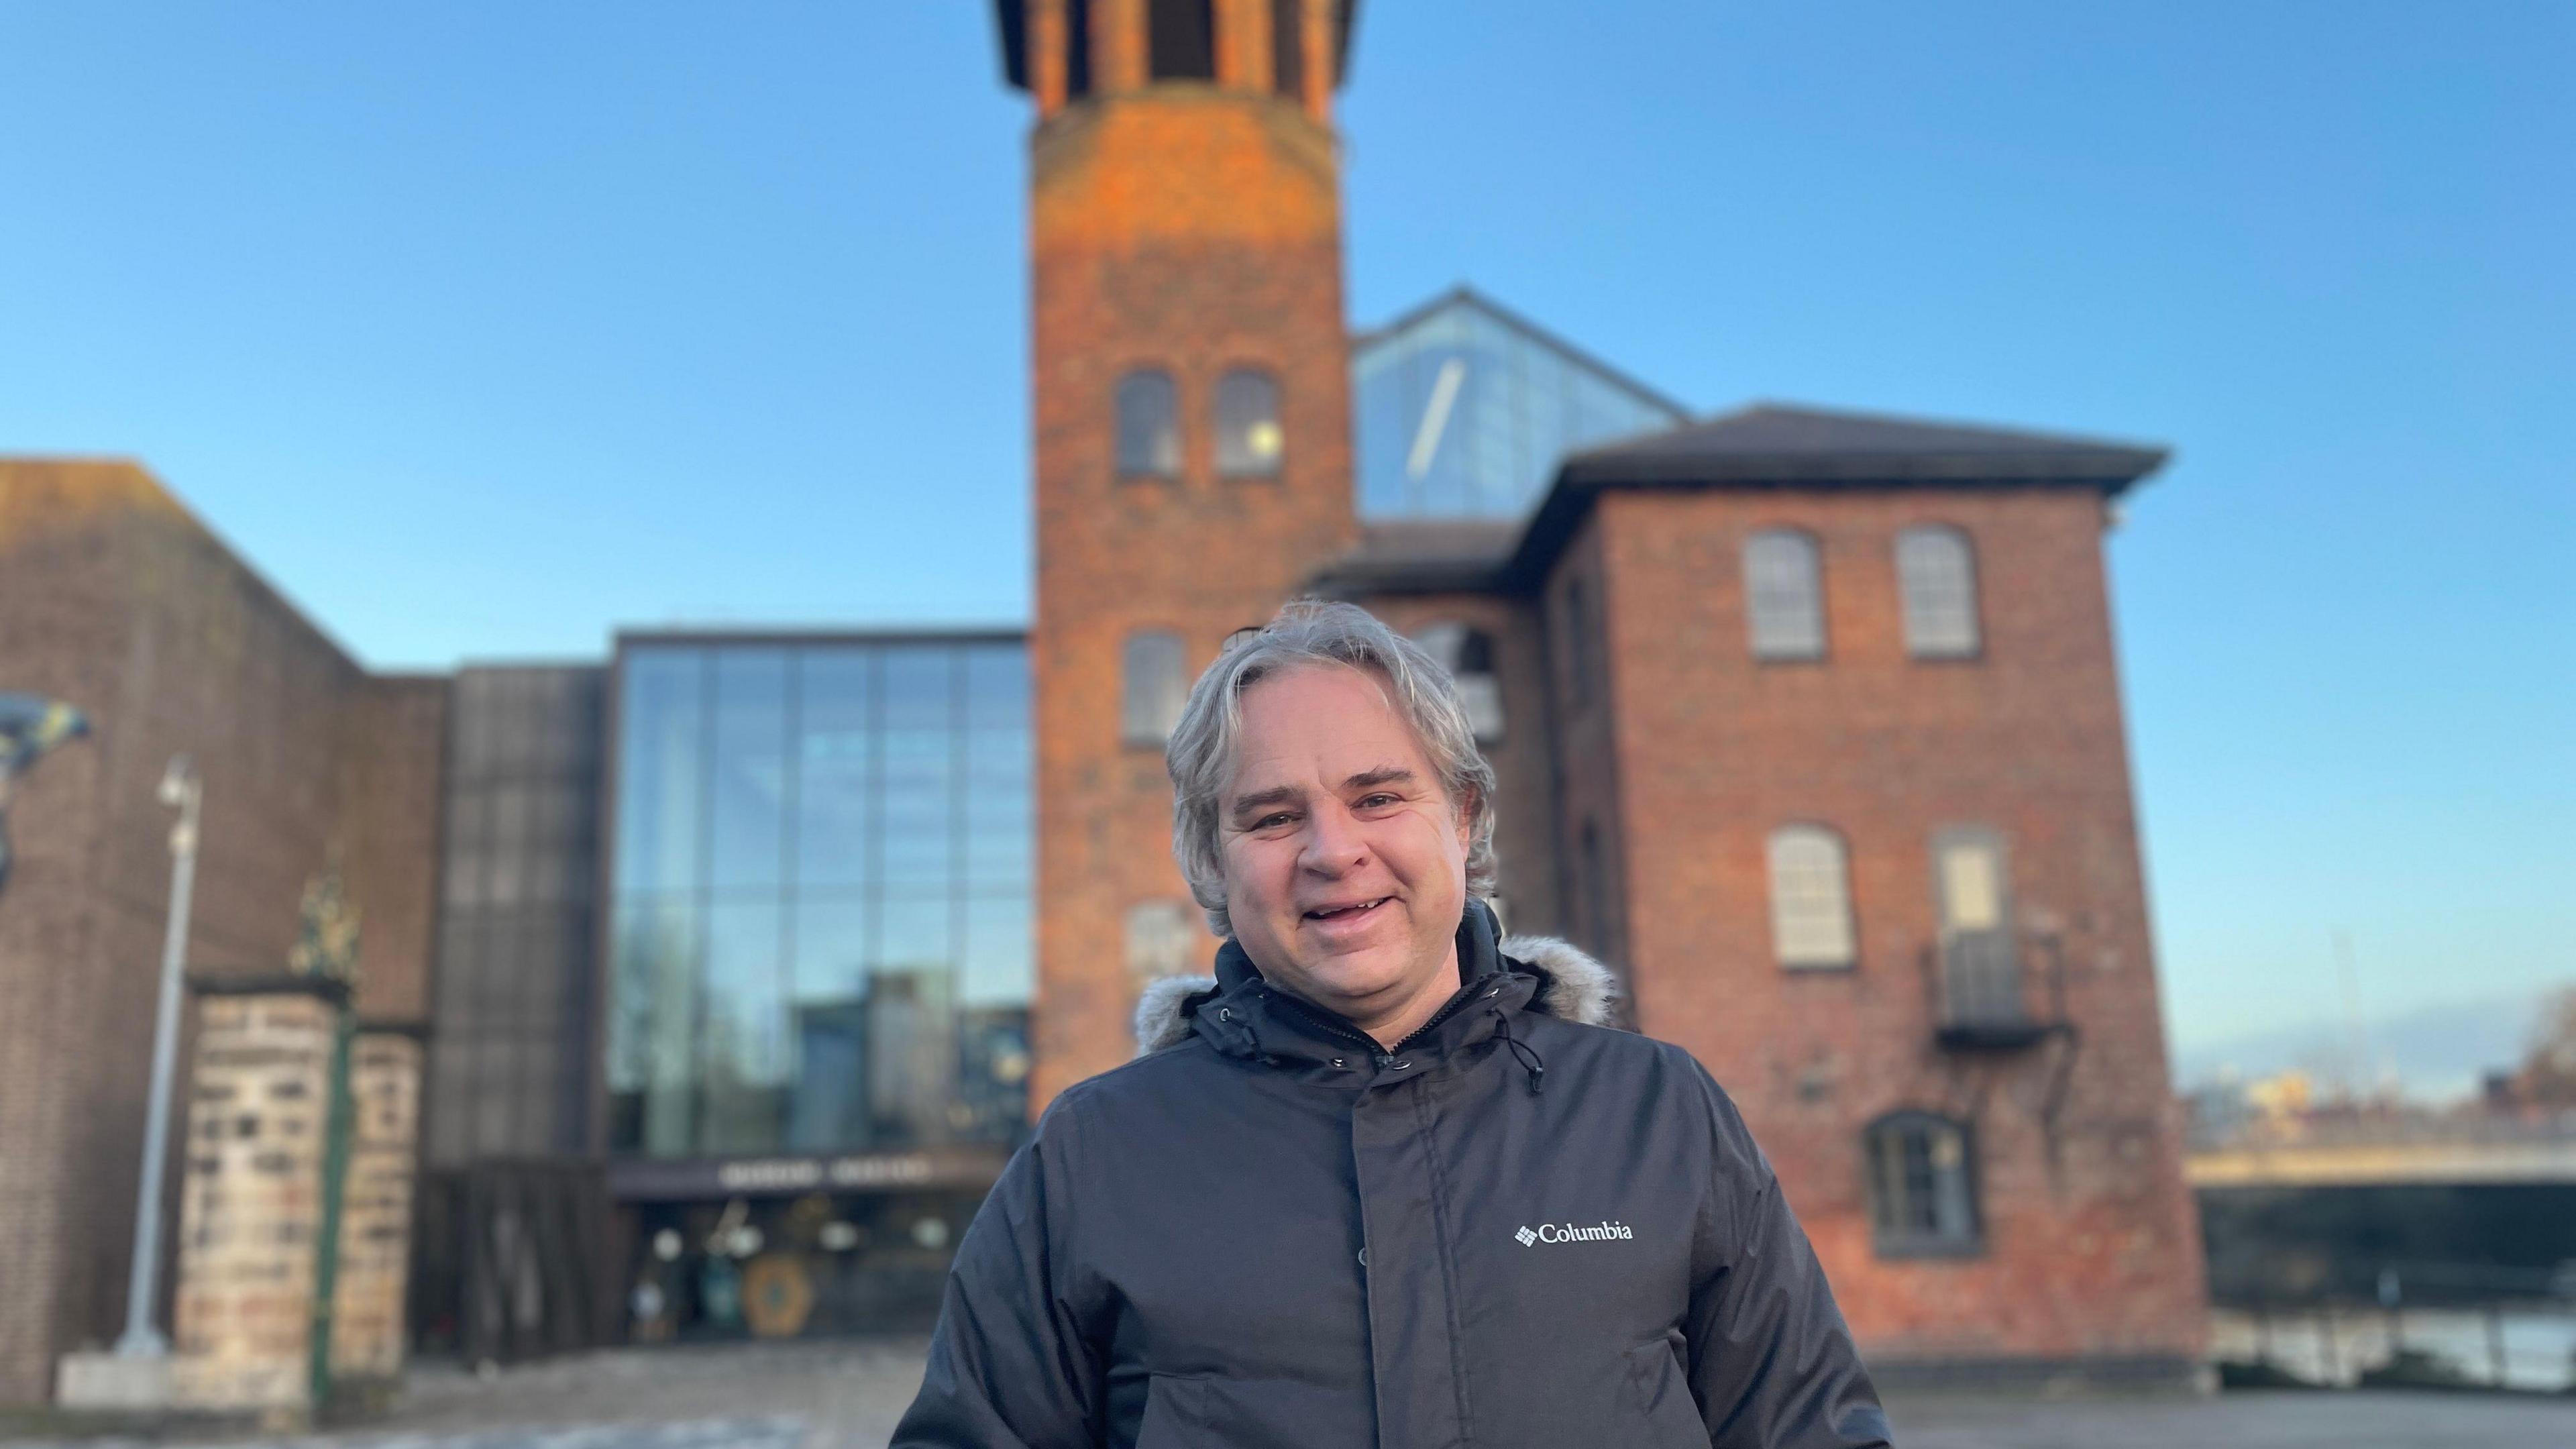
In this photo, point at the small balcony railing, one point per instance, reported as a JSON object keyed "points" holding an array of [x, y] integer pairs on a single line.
{"points": [[1982, 997]]}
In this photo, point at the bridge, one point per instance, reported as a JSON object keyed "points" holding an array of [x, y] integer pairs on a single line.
{"points": [[2373, 1154]]}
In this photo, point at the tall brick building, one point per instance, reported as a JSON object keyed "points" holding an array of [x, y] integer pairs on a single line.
{"points": [[1807, 721]]}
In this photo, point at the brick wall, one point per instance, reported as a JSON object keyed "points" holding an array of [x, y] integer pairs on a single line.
{"points": [[2090, 1245], [1193, 229], [113, 598]]}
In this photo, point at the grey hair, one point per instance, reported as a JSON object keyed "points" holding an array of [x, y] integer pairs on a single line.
{"points": [[1201, 752]]}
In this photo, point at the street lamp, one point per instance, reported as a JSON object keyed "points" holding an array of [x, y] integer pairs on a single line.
{"points": [[180, 791]]}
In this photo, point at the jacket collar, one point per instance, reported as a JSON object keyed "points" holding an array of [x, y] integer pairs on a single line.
{"points": [[1244, 1015]]}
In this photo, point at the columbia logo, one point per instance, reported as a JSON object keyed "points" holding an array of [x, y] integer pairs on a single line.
{"points": [[1602, 1232]]}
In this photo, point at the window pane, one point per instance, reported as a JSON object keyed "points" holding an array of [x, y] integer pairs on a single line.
{"points": [[920, 748], [998, 964], [743, 1047], [652, 1031], [1153, 691], [832, 946], [1971, 886], [1936, 572], [1784, 596], [1248, 439], [911, 1056], [1468, 655], [1149, 425], [835, 743], [749, 780], [1811, 921], [661, 769]]}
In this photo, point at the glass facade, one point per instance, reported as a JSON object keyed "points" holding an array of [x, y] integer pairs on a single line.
{"points": [[1462, 411], [819, 920]]}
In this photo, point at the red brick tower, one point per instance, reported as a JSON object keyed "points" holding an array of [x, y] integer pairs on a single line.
{"points": [[1193, 429]]}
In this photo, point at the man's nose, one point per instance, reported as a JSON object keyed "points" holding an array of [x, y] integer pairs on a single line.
{"points": [[1334, 844]]}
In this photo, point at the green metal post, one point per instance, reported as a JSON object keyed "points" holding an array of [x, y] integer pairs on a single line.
{"points": [[335, 1169]]}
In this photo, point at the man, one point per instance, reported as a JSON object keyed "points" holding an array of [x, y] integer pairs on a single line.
{"points": [[1386, 1180]]}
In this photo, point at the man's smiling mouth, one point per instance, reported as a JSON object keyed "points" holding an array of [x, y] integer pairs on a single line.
{"points": [[1346, 912]]}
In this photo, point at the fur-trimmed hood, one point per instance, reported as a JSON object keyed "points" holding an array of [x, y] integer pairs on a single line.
{"points": [[1572, 987]]}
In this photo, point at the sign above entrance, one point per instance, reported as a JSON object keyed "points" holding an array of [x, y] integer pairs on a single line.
{"points": [[937, 1168]]}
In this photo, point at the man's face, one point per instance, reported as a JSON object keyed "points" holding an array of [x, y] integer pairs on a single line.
{"points": [[1345, 861]]}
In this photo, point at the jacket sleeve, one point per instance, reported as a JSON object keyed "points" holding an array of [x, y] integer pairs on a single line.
{"points": [[1011, 1363], [1772, 1364]]}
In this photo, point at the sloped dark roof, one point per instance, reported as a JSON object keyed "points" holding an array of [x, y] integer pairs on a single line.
{"points": [[1422, 556], [1770, 445], [1013, 28]]}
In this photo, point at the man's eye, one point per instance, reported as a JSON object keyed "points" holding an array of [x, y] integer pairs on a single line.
{"points": [[1372, 801], [1267, 821]]}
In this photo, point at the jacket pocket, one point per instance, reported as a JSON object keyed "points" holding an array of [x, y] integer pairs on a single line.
{"points": [[1658, 1391], [1210, 1412]]}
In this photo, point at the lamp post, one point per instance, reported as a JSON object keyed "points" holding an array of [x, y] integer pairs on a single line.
{"points": [[180, 790]]}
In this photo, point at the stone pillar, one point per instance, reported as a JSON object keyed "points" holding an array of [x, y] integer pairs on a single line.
{"points": [[251, 1199], [375, 1208]]}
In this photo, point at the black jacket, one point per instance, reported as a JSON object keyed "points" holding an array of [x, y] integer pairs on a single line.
{"points": [[1520, 1228]]}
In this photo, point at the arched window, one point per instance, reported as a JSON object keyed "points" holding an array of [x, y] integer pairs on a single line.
{"points": [[1181, 39], [1159, 937], [1936, 572], [1922, 1185], [1811, 918], [1247, 424], [1468, 655], [1151, 689], [1149, 425], [1784, 595]]}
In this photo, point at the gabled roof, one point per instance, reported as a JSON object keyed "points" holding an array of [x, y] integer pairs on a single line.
{"points": [[1770, 445], [1774, 444]]}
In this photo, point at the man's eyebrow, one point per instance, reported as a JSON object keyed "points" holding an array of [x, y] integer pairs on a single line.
{"points": [[1382, 775], [1275, 795]]}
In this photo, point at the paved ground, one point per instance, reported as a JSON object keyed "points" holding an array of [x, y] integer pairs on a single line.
{"points": [[847, 1396]]}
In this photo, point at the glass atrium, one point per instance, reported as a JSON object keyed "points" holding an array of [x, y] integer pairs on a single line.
{"points": [[1463, 411], [819, 916]]}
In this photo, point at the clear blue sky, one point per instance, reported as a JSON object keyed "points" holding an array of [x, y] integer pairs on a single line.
{"points": [[486, 328]]}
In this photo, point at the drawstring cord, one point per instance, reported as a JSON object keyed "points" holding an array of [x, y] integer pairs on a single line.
{"points": [[1521, 1051]]}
